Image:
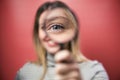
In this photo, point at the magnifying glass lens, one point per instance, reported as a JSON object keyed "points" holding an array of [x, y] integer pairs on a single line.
{"points": [[60, 29]]}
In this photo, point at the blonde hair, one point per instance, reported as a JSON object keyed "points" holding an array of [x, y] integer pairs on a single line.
{"points": [[74, 44]]}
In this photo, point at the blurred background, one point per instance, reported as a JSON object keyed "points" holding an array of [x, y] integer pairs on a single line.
{"points": [[99, 33]]}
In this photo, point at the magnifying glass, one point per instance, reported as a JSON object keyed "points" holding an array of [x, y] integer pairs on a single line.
{"points": [[60, 29]]}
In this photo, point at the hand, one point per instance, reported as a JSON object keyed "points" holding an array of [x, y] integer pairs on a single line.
{"points": [[66, 67]]}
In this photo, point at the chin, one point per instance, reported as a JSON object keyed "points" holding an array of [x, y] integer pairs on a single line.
{"points": [[53, 51]]}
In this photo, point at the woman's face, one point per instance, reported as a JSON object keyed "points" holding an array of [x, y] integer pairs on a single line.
{"points": [[50, 45]]}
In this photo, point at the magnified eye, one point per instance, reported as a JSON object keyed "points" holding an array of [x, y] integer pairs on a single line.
{"points": [[55, 28]]}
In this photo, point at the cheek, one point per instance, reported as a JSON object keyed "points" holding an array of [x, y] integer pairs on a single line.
{"points": [[41, 34]]}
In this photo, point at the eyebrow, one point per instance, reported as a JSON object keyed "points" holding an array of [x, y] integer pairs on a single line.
{"points": [[52, 19]]}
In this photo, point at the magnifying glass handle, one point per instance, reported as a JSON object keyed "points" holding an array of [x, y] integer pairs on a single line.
{"points": [[61, 46], [65, 46]]}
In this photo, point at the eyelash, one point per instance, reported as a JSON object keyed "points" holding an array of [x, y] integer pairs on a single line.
{"points": [[56, 28]]}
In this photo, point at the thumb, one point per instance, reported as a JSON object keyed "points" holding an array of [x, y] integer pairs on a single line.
{"points": [[63, 56]]}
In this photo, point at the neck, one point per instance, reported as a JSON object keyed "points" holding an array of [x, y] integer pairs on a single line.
{"points": [[50, 58]]}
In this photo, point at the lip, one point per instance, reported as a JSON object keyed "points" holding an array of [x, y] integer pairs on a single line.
{"points": [[51, 44]]}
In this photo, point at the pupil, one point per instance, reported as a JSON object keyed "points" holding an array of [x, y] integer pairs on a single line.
{"points": [[56, 27]]}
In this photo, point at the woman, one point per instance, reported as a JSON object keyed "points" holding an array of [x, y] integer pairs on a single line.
{"points": [[53, 62]]}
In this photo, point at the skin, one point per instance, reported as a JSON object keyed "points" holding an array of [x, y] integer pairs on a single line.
{"points": [[69, 69]]}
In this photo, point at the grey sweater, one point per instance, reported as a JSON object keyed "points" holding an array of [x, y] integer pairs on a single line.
{"points": [[91, 70]]}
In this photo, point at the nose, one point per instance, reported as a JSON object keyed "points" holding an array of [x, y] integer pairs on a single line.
{"points": [[44, 35], [46, 38]]}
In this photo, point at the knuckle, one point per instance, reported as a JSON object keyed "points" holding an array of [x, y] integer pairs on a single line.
{"points": [[76, 74], [61, 69], [58, 69]]}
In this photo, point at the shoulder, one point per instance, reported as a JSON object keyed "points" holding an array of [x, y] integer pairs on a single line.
{"points": [[91, 65], [29, 66], [93, 70], [29, 71]]}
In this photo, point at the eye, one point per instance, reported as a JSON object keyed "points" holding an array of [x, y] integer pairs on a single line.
{"points": [[56, 28]]}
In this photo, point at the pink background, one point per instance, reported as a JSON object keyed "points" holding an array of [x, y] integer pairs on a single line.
{"points": [[99, 32]]}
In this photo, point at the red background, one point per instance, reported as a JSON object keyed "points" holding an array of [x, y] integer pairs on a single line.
{"points": [[99, 32]]}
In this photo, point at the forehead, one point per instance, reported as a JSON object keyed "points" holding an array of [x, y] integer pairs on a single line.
{"points": [[48, 14]]}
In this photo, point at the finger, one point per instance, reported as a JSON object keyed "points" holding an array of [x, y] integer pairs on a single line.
{"points": [[74, 75], [63, 69], [63, 56]]}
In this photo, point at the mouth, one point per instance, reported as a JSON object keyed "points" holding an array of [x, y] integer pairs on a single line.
{"points": [[52, 43]]}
